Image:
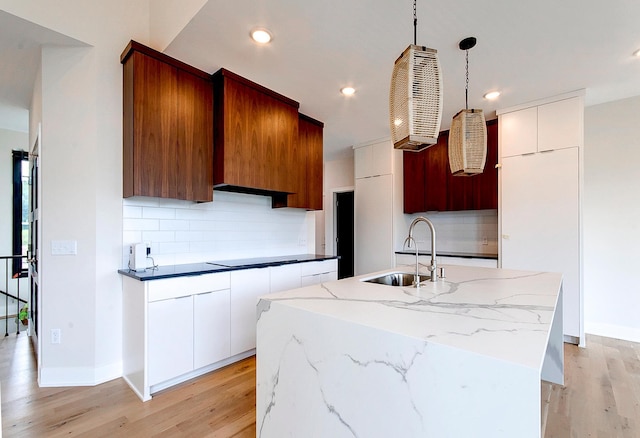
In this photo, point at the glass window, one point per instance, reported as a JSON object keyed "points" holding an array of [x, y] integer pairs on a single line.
{"points": [[20, 210]]}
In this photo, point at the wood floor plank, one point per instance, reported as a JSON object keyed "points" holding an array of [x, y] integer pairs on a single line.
{"points": [[600, 398]]}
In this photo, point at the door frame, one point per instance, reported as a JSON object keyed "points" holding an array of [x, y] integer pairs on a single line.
{"points": [[34, 257], [330, 219]]}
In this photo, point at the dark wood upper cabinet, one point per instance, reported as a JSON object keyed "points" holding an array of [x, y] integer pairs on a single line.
{"points": [[425, 178], [256, 137], [414, 181], [430, 186], [485, 188], [167, 126], [310, 159]]}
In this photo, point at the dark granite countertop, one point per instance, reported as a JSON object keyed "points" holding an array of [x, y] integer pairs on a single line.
{"points": [[465, 255], [214, 266]]}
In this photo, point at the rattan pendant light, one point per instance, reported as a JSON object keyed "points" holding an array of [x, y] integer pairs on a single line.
{"points": [[415, 98], [468, 133]]}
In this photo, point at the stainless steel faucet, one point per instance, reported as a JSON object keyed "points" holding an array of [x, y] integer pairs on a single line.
{"points": [[433, 266]]}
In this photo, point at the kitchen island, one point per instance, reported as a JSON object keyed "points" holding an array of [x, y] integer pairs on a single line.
{"points": [[459, 357]]}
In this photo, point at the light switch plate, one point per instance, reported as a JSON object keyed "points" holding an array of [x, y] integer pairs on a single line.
{"points": [[64, 247]]}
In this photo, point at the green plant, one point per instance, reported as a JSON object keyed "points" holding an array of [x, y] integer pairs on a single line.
{"points": [[23, 316]]}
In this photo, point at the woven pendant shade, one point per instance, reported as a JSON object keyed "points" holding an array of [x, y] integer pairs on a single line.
{"points": [[415, 99], [468, 143]]}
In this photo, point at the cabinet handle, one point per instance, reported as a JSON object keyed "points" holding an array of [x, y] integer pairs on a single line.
{"points": [[498, 166], [547, 150], [528, 153]]}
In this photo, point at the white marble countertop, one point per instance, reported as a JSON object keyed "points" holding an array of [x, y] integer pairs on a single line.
{"points": [[502, 314]]}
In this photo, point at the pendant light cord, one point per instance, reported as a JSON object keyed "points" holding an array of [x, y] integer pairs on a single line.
{"points": [[466, 87], [415, 24]]}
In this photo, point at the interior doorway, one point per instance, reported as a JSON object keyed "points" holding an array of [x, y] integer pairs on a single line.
{"points": [[344, 233]]}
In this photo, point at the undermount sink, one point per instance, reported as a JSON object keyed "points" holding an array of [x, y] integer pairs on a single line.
{"points": [[396, 279]]}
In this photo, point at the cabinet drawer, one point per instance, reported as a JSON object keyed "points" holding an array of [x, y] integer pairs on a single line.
{"points": [[184, 286], [314, 268]]}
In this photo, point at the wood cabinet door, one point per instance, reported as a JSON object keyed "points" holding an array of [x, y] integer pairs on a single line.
{"points": [[414, 182], [168, 131], [309, 161], [255, 139], [436, 171], [425, 178], [485, 185], [194, 125], [155, 135]]}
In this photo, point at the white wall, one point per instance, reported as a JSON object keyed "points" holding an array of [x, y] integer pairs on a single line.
{"points": [[78, 101], [9, 141], [338, 177], [168, 17], [611, 215], [232, 226]]}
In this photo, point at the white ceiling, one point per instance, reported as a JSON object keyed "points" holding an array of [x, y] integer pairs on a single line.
{"points": [[20, 43], [527, 50]]}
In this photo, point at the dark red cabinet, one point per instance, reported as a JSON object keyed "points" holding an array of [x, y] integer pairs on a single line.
{"points": [[430, 186]]}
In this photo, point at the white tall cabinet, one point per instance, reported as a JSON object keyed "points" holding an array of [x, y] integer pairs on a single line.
{"points": [[373, 207], [540, 185]]}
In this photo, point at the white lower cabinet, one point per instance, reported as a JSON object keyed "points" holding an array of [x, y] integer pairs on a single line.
{"points": [[181, 327], [284, 277], [211, 320], [170, 344], [318, 272], [246, 286]]}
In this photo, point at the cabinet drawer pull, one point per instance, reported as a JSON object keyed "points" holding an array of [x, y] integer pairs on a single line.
{"points": [[547, 150]]}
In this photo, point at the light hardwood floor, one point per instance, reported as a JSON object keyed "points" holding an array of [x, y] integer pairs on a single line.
{"points": [[601, 398]]}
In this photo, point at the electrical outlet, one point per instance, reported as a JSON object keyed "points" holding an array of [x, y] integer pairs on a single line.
{"points": [[485, 241], [302, 242], [55, 336]]}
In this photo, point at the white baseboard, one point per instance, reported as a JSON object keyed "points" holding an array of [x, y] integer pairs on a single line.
{"points": [[613, 331], [79, 376]]}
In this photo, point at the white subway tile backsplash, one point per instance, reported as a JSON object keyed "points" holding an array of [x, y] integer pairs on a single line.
{"points": [[158, 213], [459, 231], [171, 247], [232, 226], [181, 225], [130, 211], [158, 236], [140, 224], [129, 237]]}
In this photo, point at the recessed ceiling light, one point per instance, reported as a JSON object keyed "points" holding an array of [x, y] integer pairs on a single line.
{"points": [[491, 95], [348, 91], [261, 35], [637, 53]]}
